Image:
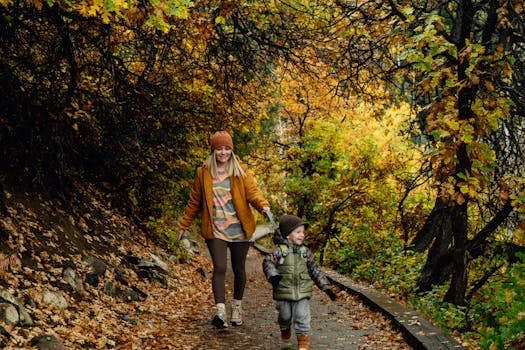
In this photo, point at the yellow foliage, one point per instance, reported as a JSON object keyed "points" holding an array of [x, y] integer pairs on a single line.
{"points": [[109, 11]]}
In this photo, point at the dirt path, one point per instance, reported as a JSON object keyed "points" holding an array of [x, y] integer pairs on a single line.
{"points": [[343, 324]]}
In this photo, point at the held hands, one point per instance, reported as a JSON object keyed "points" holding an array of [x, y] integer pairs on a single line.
{"points": [[331, 294]]}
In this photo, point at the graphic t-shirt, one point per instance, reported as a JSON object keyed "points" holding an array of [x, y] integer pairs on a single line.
{"points": [[226, 225]]}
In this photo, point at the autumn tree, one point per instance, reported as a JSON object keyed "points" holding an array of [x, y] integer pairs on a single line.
{"points": [[334, 163], [465, 117], [88, 91], [128, 92], [462, 64]]}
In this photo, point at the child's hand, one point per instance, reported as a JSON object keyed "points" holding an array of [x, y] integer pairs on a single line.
{"points": [[274, 280], [331, 294]]}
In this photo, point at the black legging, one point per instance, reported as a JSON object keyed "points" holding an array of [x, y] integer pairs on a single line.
{"points": [[218, 251]]}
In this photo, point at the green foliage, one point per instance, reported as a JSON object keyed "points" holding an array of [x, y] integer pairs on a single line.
{"points": [[357, 249], [167, 234], [446, 315], [392, 269], [494, 319], [380, 260], [499, 315]]}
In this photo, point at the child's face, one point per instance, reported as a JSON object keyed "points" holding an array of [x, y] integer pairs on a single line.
{"points": [[296, 236]]}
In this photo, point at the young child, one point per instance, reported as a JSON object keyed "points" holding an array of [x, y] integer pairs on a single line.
{"points": [[290, 268]]}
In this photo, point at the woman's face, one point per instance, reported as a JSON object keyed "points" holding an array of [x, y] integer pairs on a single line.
{"points": [[223, 154]]}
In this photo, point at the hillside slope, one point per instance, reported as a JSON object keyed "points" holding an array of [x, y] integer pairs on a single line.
{"points": [[89, 279]]}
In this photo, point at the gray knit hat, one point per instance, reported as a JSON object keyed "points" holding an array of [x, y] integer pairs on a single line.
{"points": [[288, 223]]}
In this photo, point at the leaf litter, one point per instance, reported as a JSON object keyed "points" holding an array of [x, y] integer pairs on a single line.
{"points": [[36, 234]]}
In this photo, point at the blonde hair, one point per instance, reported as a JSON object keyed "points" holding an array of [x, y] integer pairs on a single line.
{"points": [[233, 168]]}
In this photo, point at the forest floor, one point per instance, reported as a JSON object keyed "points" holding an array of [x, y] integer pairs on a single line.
{"points": [[343, 324], [42, 234]]}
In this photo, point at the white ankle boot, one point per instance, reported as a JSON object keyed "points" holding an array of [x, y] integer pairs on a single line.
{"points": [[219, 321], [236, 318]]}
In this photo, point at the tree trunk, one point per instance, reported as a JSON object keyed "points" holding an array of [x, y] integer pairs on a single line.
{"points": [[466, 94], [445, 233], [446, 229], [434, 226], [436, 232], [458, 285]]}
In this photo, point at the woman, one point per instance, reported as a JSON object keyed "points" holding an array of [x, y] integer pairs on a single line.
{"points": [[222, 193]]}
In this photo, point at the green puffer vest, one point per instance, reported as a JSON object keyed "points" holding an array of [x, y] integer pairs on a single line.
{"points": [[295, 284]]}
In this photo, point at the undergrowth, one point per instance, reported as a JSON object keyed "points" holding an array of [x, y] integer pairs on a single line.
{"points": [[167, 234], [494, 318]]}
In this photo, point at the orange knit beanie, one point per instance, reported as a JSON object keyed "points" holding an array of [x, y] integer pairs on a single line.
{"points": [[221, 138]]}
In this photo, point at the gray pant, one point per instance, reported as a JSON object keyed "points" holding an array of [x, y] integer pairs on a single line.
{"points": [[297, 312]]}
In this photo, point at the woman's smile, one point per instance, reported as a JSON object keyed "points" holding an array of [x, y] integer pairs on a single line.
{"points": [[223, 154]]}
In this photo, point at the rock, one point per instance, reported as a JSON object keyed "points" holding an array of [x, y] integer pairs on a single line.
{"points": [[188, 246], [71, 278], [47, 342], [125, 294], [23, 317], [158, 261], [111, 289], [5, 296], [92, 279], [130, 295], [9, 314], [29, 301], [97, 268], [54, 299], [96, 265]]}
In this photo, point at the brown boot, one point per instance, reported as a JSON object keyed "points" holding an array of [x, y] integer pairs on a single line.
{"points": [[286, 334], [303, 342]]}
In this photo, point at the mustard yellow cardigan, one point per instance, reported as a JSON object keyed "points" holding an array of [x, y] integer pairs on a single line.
{"points": [[244, 192]]}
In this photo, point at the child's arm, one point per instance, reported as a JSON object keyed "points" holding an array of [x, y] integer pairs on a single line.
{"points": [[318, 276], [269, 266]]}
